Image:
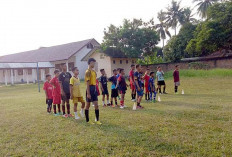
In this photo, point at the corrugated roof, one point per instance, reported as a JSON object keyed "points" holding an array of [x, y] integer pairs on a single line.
{"points": [[25, 65], [46, 54]]}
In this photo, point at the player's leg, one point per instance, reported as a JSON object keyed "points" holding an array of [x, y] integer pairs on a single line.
{"points": [[68, 107], [75, 111]]}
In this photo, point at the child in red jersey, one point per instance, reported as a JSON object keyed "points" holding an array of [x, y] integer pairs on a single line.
{"points": [[121, 83], [146, 78], [48, 92], [56, 93], [176, 77]]}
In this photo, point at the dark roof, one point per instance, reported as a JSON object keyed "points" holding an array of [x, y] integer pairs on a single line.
{"points": [[46, 54]]}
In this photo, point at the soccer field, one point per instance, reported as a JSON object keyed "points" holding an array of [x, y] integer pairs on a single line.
{"points": [[198, 123]]}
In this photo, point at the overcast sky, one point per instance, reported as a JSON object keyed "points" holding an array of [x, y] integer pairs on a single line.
{"points": [[30, 24]]}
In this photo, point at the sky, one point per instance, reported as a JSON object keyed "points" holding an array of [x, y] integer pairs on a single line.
{"points": [[30, 24]]}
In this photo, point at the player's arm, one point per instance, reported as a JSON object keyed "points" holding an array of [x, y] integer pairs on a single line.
{"points": [[101, 86], [137, 83], [88, 90]]}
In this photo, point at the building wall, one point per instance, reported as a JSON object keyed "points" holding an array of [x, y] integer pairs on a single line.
{"points": [[124, 64], [213, 63], [102, 62]]}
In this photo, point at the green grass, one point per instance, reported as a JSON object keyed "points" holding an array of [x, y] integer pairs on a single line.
{"points": [[195, 124], [202, 73]]}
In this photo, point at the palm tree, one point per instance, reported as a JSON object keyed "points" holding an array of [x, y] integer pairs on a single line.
{"points": [[162, 27], [174, 14], [203, 6], [187, 16]]}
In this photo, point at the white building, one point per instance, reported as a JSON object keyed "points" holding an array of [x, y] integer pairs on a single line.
{"points": [[22, 67]]}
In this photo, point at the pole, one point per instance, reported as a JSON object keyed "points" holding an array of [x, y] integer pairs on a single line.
{"points": [[38, 76]]}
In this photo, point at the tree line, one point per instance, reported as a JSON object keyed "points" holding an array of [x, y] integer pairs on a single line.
{"points": [[136, 38]]}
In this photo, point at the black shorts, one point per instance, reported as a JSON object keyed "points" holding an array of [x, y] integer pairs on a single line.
{"points": [[160, 83], [105, 92], [114, 93], [65, 97], [93, 93], [49, 101]]}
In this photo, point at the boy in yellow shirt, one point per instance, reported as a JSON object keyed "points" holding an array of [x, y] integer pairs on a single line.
{"points": [[75, 92]]}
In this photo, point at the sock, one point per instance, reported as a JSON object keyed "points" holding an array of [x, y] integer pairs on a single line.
{"points": [[48, 108], [116, 103], [108, 102], [58, 107], [87, 115], [103, 102], [54, 108], [154, 96], [63, 109], [160, 90], [97, 114], [164, 89], [121, 103], [176, 89], [68, 108], [146, 96], [138, 104], [111, 102], [75, 113], [150, 95]]}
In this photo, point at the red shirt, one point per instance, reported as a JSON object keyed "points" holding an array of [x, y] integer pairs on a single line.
{"points": [[56, 90], [48, 88], [146, 78], [131, 75], [176, 76]]}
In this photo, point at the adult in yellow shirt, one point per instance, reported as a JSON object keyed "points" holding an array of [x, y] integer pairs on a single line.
{"points": [[91, 91], [75, 92]]}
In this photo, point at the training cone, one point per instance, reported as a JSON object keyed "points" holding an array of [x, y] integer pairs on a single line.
{"points": [[134, 106], [182, 92], [159, 99]]}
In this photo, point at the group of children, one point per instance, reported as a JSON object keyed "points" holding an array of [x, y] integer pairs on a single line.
{"points": [[63, 87]]}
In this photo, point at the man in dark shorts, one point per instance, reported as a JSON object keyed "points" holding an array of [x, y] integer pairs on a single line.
{"points": [[103, 84], [160, 80], [114, 91], [64, 79], [91, 91]]}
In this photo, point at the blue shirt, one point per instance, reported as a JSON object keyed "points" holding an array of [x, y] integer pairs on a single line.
{"points": [[138, 77], [151, 84], [160, 76]]}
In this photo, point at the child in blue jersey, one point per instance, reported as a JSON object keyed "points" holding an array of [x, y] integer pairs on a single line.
{"points": [[114, 91], [117, 76], [151, 86], [138, 85]]}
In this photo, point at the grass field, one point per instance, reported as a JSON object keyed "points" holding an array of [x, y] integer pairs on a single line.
{"points": [[198, 123]]}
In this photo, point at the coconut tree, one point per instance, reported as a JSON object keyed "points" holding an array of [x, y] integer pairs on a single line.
{"points": [[174, 14], [187, 16], [162, 27], [202, 6]]}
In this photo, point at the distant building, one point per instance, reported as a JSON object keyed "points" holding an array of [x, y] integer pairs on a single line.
{"points": [[21, 67]]}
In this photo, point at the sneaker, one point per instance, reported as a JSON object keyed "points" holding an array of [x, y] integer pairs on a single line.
{"points": [[133, 100], [56, 114], [76, 117], [165, 93], [70, 115], [65, 116], [98, 123], [121, 107], [113, 106], [82, 113], [108, 104], [89, 122]]}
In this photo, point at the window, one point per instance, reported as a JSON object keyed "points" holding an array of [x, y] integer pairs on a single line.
{"points": [[120, 61], [113, 61], [102, 56], [20, 71], [90, 46], [127, 62], [47, 71], [70, 66], [29, 71]]}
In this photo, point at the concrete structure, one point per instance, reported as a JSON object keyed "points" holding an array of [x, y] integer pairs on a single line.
{"points": [[22, 67]]}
